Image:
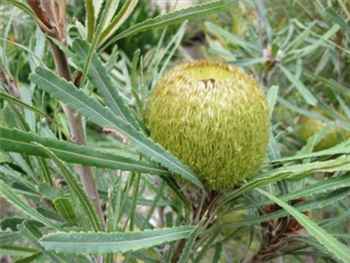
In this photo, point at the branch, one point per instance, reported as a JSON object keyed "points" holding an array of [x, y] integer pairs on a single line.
{"points": [[55, 23]]}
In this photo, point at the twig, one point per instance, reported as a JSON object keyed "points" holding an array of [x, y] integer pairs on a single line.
{"points": [[5, 259], [179, 248], [310, 259], [264, 32], [11, 84]]}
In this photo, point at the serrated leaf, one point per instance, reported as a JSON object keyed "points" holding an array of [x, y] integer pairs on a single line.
{"points": [[13, 140], [104, 117], [114, 242], [99, 77]]}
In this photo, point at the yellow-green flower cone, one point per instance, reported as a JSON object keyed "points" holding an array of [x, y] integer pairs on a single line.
{"points": [[214, 118], [309, 127]]}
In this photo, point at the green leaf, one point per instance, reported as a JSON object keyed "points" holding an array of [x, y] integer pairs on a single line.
{"points": [[27, 9], [232, 39], [340, 149], [76, 190], [113, 7], [318, 203], [29, 258], [320, 41], [172, 18], [17, 101], [341, 163], [65, 209], [104, 117], [272, 97], [323, 186], [300, 39], [167, 53], [77, 242], [90, 18], [9, 236], [17, 251], [100, 78], [331, 244], [307, 95], [13, 140], [123, 14], [22, 205]]}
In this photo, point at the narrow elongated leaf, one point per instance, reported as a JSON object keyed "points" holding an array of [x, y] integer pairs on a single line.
{"points": [[272, 97], [323, 186], [75, 242], [104, 117], [168, 53], [99, 77], [7, 237], [65, 209], [98, 4], [21, 204], [231, 38], [25, 8], [330, 243], [292, 45], [30, 258], [320, 202], [17, 251], [172, 18], [76, 190], [309, 98], [341, 163], [17, 101], [343, 148], [111, 13], [13, 140], [123, 14], [321, 41], [90, 18]]}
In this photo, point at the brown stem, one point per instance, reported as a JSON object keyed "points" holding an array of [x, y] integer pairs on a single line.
{"points": [[179, 248], [77, 132], [11, 84], [5, 259]]}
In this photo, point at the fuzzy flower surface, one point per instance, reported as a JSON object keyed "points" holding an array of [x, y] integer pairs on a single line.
{"points": [[214, 117]]}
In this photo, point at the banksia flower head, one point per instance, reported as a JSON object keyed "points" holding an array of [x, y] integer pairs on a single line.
{"points": [[214, 117], [333, 133]]}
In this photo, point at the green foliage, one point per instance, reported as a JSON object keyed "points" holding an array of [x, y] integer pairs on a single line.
{"points": [[79, 243], [83, 74]]}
